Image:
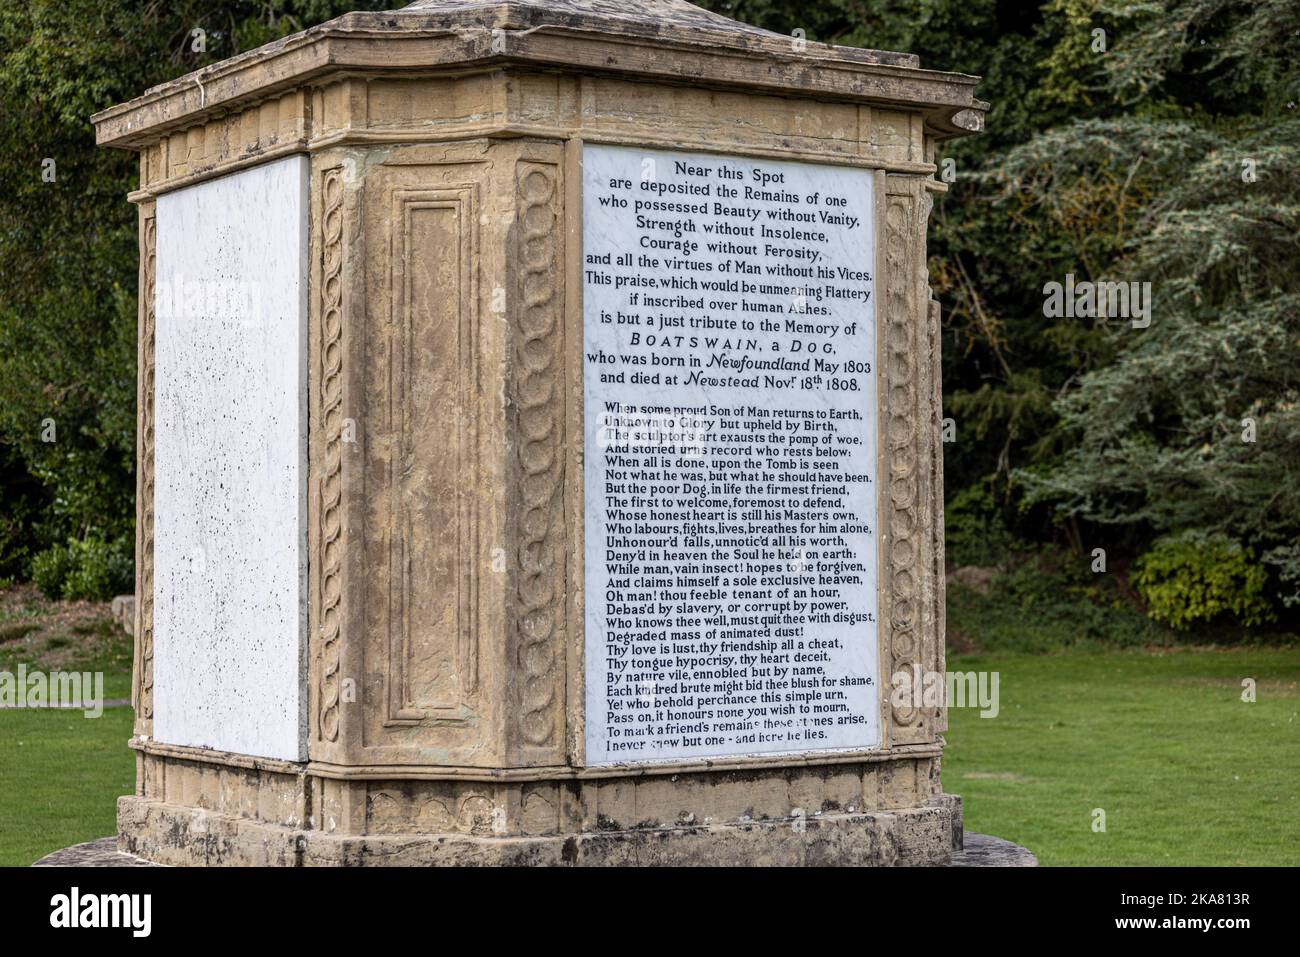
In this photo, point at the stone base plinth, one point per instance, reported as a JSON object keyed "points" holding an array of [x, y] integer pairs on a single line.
{"points": [[212, 808], [980, 850], [170, 834]]}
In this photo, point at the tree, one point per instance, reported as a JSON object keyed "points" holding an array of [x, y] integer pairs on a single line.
{"points": [[1191, 427], [68, 244]]}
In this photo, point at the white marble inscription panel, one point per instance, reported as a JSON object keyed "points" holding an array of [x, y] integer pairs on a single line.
{"points": [[730, 456], [230, 463]]}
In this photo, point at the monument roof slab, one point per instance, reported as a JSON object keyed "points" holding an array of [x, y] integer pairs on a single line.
{"points": [[669, 41]]}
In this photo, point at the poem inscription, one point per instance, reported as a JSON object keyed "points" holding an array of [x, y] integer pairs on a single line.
{"points": [[730, 456]]}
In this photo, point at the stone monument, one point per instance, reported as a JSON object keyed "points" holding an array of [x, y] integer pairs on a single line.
{"points": [[539, 444]]}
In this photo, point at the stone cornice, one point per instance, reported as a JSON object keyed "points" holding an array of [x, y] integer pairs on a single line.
{"points": [[370, 44]]}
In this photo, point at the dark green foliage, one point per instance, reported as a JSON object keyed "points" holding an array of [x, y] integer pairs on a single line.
{"points": [[1048, 601], [1190, 428], [974, 531], [67, 289], [1124, 163]]}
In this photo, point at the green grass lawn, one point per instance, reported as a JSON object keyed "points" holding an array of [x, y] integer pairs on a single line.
{"points": [[60, 772], [1186, 772], [60, 777], [1156, 736]]}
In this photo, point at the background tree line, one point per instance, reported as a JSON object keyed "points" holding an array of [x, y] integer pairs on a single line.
{"points": [[1129, 140]]}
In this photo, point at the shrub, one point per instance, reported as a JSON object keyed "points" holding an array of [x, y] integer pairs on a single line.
{"points": [[974, 531], [92, 568], [50, 570], [1193, 577]]}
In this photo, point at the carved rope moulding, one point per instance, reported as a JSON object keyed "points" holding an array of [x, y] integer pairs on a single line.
{"points": [[901, 437], [330, 418], [144, 679], [540, 447]]}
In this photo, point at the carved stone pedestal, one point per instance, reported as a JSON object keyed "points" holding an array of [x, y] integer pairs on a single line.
{"points": [[365, 633]]}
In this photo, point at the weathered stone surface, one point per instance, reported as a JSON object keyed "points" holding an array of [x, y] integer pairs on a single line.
{"points": [[669, 40], [638, 848], [983, 850], [910, 836], [123, 610], [446, 596], [100, 853]]}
